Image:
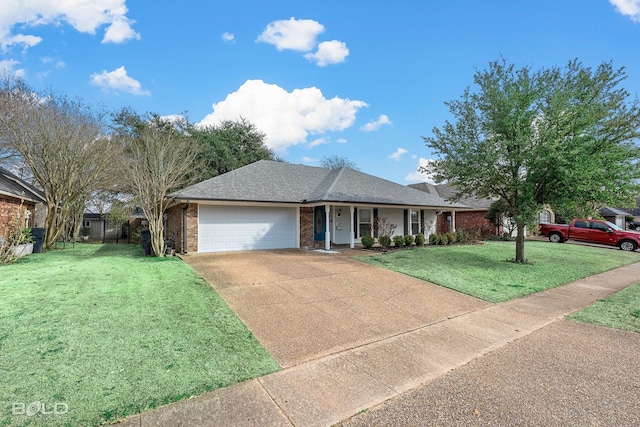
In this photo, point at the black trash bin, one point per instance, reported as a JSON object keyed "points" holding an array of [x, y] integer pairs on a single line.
{"points": [[145, 240], [38, 239]]}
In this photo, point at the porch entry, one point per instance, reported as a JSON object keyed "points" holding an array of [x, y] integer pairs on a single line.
{"points": [[319, 223]]}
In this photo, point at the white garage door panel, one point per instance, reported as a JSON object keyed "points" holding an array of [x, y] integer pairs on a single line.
{"points": [[239, 228]]}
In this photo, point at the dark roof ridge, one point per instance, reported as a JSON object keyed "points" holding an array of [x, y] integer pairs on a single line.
{"points": [[333, 183]]}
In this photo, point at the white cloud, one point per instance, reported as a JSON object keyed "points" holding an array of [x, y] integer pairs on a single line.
{"points": [[375, 125], [308, 160], [294, 34], [331, 52], [287, 118], [630, 8], [319, 141], [55, 62], [341, 140], [396, 155], [173, 118], [120, 31], [117, 81], [421, 176], [8, 66], [228, 37], [84, 16]]}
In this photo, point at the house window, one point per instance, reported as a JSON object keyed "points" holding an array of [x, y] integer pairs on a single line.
{"points": [[544, 217], [86, 223], [364, 222], [415, 222]]}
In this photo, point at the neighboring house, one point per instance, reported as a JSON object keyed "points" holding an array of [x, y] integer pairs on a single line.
{"points": [[104, 230], [633, 211], [474, 218], [272, 205], [470, 219], [14, 192], [615, 216]]}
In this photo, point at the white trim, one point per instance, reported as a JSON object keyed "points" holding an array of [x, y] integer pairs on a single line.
{"points": [[298, 227], [352, 231]]}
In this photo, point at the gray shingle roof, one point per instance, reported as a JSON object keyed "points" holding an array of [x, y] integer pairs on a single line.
{"points": [[447, 192], [609, 211], [13, 186], [270, 181]]}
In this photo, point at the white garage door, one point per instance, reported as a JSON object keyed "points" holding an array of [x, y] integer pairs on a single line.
{"points": [[241, 228]]}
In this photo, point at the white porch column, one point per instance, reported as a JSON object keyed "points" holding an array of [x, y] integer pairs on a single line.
{"points": [[352, 240], [453, 221], [327, 233]]}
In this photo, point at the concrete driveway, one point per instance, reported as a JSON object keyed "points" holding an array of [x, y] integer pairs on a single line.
{"points": [[303, 305]]}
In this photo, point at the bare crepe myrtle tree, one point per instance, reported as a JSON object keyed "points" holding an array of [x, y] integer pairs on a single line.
{"points": [[62, 140], [158, 158]]}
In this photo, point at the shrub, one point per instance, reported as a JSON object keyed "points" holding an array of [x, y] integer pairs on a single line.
{"points": [[419, 239], [26, 236], [444, 240], [451, 237], [408, 240], [367, 241], [398, 241], [461, 236], [385, 241], [433, 239]]}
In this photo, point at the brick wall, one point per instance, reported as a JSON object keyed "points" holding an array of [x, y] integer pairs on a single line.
{"points": [[175, 227], [466, 221], [474, 220], [306, 227], [8, 209], [192, 228]]}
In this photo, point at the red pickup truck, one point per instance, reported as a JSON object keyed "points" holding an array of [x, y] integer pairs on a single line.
{"points": [[593, 231]]}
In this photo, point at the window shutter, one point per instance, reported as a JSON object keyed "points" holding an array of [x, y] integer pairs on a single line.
{"points": [[404, 220], [375, 222]]}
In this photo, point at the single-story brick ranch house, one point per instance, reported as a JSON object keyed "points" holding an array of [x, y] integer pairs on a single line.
{"points": [[276, 205]]}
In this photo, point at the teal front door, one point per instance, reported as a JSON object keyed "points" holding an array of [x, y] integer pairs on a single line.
{"points": [[319, 223]]}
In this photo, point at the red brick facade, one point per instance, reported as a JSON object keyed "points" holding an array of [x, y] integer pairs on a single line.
{"points": [[306, 227], [474, 220], [8, 209], [175, 227]]}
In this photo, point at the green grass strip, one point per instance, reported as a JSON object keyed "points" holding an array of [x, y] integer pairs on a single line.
{"points": [[111, 333], [484, 270], [621, 311]]}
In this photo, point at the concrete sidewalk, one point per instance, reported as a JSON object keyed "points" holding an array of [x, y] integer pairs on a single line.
{"points": [[330, 389]]}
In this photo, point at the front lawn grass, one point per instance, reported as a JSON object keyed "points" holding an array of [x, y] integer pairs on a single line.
{"points": [[111, 333], [484, 270], [621, 311]]}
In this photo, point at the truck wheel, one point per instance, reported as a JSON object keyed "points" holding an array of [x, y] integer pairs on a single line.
{"points": [[556, 238], [627, 245]]}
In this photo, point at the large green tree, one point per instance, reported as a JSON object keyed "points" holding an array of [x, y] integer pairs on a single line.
{"points": [[563, 136], [230, 145]]}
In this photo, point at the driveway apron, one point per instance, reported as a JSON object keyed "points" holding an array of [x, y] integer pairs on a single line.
{"points": [[303, 305]]}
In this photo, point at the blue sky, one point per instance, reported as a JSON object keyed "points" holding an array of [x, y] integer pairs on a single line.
{"points": [[364, 80]]}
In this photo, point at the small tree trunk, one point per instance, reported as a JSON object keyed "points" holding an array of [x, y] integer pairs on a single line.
{"points": [[157, 239], [520, 259], [52, 232]]}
